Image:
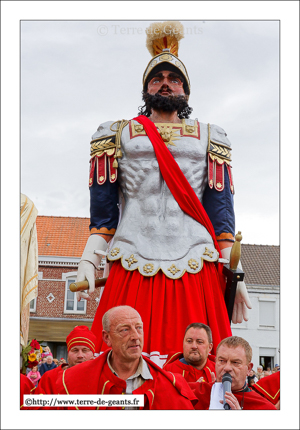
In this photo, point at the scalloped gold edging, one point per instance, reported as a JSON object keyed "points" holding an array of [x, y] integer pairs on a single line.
{"points": [[160, 268]]}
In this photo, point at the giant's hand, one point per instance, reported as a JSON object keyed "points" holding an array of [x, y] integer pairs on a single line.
{"points": [[88, 264], [86, 272], [241, 302]]}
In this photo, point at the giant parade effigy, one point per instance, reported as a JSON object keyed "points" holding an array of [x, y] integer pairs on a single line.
{"points": [[161, 210]]}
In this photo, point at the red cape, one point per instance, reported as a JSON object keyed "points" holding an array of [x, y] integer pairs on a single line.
{"points": [[248, 400], [165, 391], [179, 186], [175, 179], [190, 373], [269, 387], [26, 387]]}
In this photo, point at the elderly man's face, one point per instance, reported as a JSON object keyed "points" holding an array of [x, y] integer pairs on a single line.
{"points": [[196, 346], [233, 361], [125, 336], [49, 359]]}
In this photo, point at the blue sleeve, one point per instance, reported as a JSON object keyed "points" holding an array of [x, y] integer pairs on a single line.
{"points": [[42, 370], [104, 199], [219, 207]]}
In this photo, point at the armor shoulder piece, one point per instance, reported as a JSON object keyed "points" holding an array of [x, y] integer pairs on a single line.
{"points": [[218, 135], [103, 130], [106, 137], [105, 150], [219, 153], [219, 145]]}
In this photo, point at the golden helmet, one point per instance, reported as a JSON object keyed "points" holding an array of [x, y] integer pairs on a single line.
{"points": [[163, 43]]}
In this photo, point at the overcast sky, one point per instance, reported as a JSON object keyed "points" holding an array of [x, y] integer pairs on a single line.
{"points": [[77, 74]]}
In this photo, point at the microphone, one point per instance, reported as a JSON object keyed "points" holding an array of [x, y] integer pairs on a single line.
{"points": [[226, 382]]}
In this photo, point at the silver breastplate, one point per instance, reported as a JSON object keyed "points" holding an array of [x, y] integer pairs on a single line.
{"points": [[154, 233]]}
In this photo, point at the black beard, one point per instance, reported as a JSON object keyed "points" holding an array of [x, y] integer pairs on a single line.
{"points": [[166, 104]]}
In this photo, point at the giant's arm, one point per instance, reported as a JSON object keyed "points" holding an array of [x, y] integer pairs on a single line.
{"points": [[104, 211], [219, 208], [218, 203]]}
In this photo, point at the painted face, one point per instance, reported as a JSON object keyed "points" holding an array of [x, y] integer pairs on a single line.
{"points": [[233, 361], [166, 83], [126, 336], [196, 347], [78, 354]]}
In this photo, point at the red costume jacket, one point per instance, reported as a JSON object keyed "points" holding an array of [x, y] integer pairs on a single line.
{"points": [[165, 391], [190, 373], [47, 384], [269, 387], [26, 387], [247, 400]]}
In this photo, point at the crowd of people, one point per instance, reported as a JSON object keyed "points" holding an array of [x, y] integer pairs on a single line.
{"points": [[261, 373], [190, 379], [45, 362]]}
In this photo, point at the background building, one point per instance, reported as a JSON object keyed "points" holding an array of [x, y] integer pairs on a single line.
{"points": [[55, 311], [261, 264]]}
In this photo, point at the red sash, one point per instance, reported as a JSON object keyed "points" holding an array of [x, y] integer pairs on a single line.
{"points": [[177, 183]]}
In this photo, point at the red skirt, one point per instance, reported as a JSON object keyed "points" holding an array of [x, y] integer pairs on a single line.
{"points": [[166, 307]]}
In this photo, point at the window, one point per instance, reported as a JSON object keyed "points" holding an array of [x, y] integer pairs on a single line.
{"points": [[267, 357], [267, 313], [71, 304], [266, 361], [61, 351], [32, 306]]}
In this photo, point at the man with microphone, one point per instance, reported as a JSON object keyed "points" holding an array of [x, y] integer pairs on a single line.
{"points": [[230, 390]]}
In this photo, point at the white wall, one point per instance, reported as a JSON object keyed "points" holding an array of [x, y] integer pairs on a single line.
{"points": [[263, 340]]}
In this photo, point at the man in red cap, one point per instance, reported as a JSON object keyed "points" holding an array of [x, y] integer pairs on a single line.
{"points": [[81, 347], [195, 363], [122, 369]]}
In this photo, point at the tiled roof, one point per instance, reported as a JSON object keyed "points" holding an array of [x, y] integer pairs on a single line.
{"points": [[62, 236], [67, 236], [261, 264]]}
